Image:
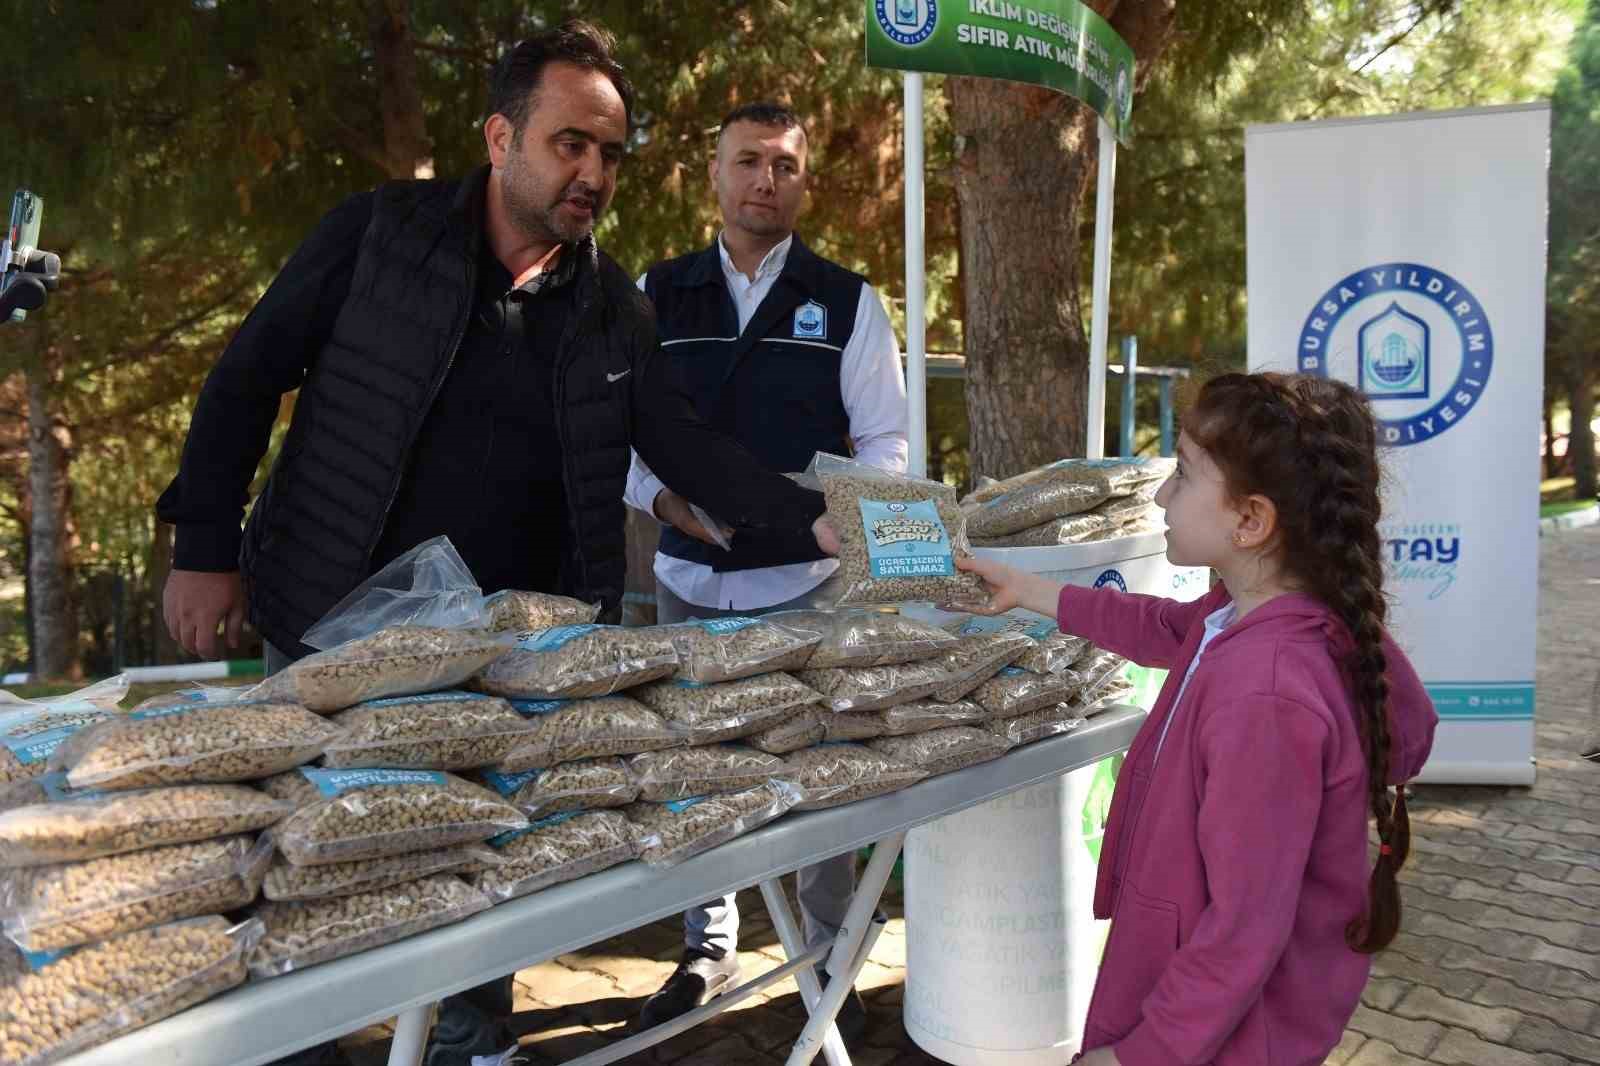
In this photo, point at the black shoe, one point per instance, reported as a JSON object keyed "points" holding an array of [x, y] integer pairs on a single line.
{"points": [[700, 977], [322, 1055], [851, 1019], [465, 1035]]}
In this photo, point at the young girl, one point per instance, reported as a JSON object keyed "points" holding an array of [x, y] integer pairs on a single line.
{"points": [[1235, 868]]}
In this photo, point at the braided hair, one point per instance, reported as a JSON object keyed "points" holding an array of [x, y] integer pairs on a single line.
{"points": [[1309, 445]]}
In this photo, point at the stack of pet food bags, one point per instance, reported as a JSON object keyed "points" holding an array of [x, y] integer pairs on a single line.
{"points": [[1073, 501]]}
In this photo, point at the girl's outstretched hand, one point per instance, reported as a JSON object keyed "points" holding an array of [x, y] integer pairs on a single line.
{"points": [[1009, 587]]}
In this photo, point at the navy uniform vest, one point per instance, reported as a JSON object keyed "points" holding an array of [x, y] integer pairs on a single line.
{"points": [[775, 388]]}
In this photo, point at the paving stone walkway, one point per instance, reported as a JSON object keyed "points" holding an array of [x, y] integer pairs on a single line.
{"points": [[1498, 963]]}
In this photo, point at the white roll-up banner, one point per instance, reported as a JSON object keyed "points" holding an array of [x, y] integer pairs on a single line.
{"points": [[1405, 254]]}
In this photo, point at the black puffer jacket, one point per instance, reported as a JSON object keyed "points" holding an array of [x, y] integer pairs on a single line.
{"points": [[367, 386]]}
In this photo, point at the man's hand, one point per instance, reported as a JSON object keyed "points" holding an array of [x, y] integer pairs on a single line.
{"points": [[674, 510], [196, 604], [827, 536]]}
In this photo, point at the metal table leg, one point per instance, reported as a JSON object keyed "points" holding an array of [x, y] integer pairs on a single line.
{"points": [[411, 1036], [794, 946]]}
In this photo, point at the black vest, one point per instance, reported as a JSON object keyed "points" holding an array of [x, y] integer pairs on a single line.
{"points": [[775, 388], [312, 532]]}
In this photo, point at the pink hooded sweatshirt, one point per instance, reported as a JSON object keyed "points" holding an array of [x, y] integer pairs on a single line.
{"points": [[1232, 864]]}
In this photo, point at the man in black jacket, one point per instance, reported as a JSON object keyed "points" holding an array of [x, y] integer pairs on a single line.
{"points": [[469, 365]]}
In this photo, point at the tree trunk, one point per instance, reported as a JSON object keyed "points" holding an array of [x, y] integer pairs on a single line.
{"points": [[407, 148], [1025, 158], [50, 568], [1549, 433], [1580, 441]]}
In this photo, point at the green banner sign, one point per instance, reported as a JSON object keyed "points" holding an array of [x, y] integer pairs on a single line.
{"points": [[1059, 44]]}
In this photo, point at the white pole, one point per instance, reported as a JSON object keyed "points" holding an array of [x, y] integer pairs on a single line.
{"points": [[916, 281], [1100, 316]]}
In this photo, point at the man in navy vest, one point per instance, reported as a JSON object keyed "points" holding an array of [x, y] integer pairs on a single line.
{"points": [[789, 354]]}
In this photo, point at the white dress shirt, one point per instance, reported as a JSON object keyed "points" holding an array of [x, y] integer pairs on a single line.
{"points": [[873, 389]]}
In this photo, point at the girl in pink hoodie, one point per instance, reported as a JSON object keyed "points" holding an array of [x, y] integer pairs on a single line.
{"points": [[1235, 866]]}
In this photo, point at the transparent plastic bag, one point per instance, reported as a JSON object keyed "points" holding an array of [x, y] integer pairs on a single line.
{"points": [[1114, 691], [942, 751], [429, 586], [49, 908], [706, 714], [285, 881], [1074, 529], [829, 775], [919, 716], [721, 534], [1037, 725], [514, 611], [101, 991], [342, 815], [582, 784], [563, 847], [1099, 669], [728, 649], [865, 638], [73, 829], [1114, 477], [669, 833], [104, 695], [1053, 650], [1068, 490], [851, 726], [801, 731], [899, 536], [575, 662], [1015, 691], [872, 688], [976, 659], [303, 933], [192, 743], [437, 731], [683, 773], [29, 736], [566, 730], [394, 661]]}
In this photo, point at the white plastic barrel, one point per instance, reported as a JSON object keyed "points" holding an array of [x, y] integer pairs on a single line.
{"points": [[1001, 944]]}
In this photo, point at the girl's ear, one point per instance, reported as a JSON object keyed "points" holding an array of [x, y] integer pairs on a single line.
{"points": [[1258, 522]]}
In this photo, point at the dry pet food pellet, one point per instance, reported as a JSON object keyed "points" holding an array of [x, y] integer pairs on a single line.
{"points": [[29, 737], [899, 536], [1074, 529], [726, 649], [1068, 490], [705, 714], [98, 992], [212, 743], [848, 726], [395, 661], [1038, 725], [682, 773], [1014, 691], [1127, 509], [305, 932], [669, 833], [1053, 650], [978, 658], [801, 731], [438, 731], [941, 751], [582, 784], [512, 611], [87, 827], [558, 849], [61, 906], [919, 716], [368, 814], [286, 881], [1109, 695], [563, 731], [1098, 670], [866, 638], [872, 688], [573, 662], [833, 774]]}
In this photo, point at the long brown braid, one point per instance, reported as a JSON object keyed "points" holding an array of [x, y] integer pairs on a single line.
{"points": [[1310, 446]]}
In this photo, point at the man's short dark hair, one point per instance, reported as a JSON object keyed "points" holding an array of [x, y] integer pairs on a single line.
{"points": [[764, 113], [515, 81]]}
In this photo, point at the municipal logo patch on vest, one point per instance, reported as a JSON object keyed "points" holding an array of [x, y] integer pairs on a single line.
{"points": [[811, 321]]}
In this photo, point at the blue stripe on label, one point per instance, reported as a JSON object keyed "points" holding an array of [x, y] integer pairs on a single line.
{"points": [[1483, 700]]}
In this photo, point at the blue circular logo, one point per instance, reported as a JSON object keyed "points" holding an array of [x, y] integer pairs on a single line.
{"points": [[1413, 339], [1111, 577], [907, 22]]}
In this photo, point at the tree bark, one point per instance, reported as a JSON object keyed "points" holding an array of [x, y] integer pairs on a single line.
{"points": [[1580, 441], [1025, 158], [407, 148], [1549, 422], [50, 564]]}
